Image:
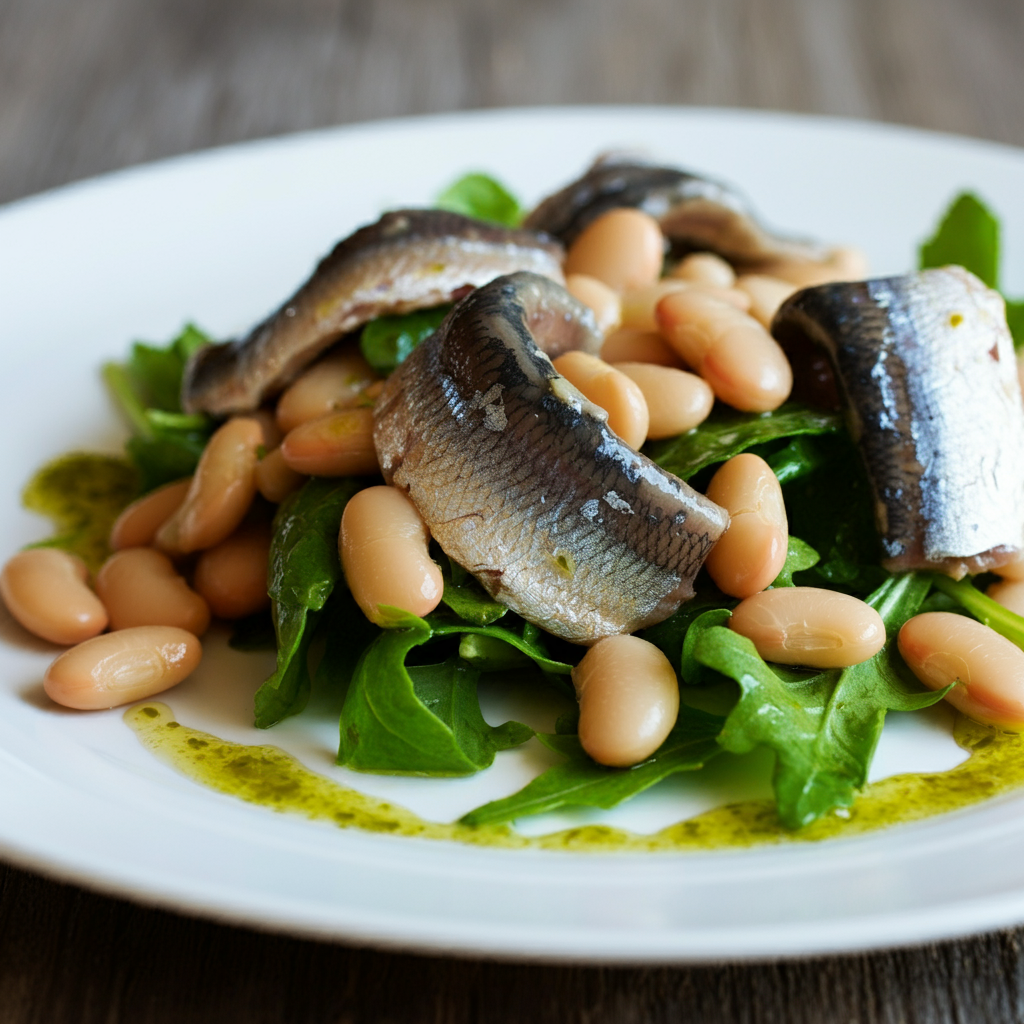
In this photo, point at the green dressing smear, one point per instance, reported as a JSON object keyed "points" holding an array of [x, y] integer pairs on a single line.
{"points": [[82, 494], [269, 777]]}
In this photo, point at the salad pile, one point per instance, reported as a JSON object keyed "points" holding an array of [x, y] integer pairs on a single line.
{"points": [[410, 685]]}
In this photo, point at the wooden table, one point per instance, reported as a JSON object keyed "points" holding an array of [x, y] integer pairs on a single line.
{"points": [[90, 86]]}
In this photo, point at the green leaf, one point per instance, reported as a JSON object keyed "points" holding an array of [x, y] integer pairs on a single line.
{"points": [[303, 570], [389, 340], [347, 632], [1015, 321], [726, 433], [801, 456], [166, 443], [420, 720], [832, 510], [823, 728], [799, 556], [467, 598], [489, 654], [982, 607], [82, 494], [480, 196], [670, 634], [967, 236], [581, 782]]}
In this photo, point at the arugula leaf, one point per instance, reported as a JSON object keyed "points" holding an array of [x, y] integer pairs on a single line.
{"points": [[389, 340], [347, 632], [968, 235], [801, 456], [824, 727], [303, 570], [528, 640], [982, 607], [489, 654], [466, 597], [82, 494], [670, 634], [480, 196], [726, 433], [582, 782], [166, 443], [832, 510], [799, 556], [417, 720]]}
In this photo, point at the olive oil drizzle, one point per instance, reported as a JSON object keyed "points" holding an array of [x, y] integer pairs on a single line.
{"points": [[268, 776]]}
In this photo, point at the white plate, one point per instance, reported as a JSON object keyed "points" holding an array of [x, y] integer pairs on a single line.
{"points": [[222, 237]]}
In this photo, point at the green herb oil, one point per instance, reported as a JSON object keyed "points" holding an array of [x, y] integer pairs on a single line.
{"points": [[268, 776]]}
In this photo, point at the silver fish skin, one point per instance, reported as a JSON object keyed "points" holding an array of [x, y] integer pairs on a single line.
{"points": [[519, 479], [926, 369], [695, 213], [408, 260]]}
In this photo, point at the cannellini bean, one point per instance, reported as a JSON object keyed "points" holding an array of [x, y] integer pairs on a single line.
{"points": [[741, 361], [602, 300], [943, 647], [337, 445], [676, 400], [1012, 570], [630, 345], [232, 577], [640, 305], [45, 589], [843, 263], [141, 587], [766, 295], [624, 248], [138, 524], [613, 391], [1010, 594], [221, 491], [275, 479], [752, 551], [629, 700], [383, 546], [810, 626], [705, 268], [120, 667], [334, 383]]}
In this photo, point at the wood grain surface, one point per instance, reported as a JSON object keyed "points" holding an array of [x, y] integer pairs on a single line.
{"points": [[91, 85]]}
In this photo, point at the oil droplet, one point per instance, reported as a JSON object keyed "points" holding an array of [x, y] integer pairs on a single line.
{"points": [[268, 776]]}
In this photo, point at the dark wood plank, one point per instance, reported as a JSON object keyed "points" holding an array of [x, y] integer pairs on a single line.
{"points": [[91, 86]]}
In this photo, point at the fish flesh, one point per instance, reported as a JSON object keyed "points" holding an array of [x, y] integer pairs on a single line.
{"points": [[519, 479], [925, 369], [696, 214], [408, 260]]}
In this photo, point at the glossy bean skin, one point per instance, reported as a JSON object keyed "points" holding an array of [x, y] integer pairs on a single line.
{"points": [[613, 391], [741, 361], [383, 547], [629, 700], [810, 626], [1012, 570], [141, 587], [766, 295], [752, 551], [221, 491], [603, 301], [705, 268], [337, 445], [275, 479], [120, 667], [334, 383], [843, 263], [639, 307], [46, 590], [1009, 593], [137, 525], [943, 647], [630, 345], [624, 248], [232, 577], [677, 401]]}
